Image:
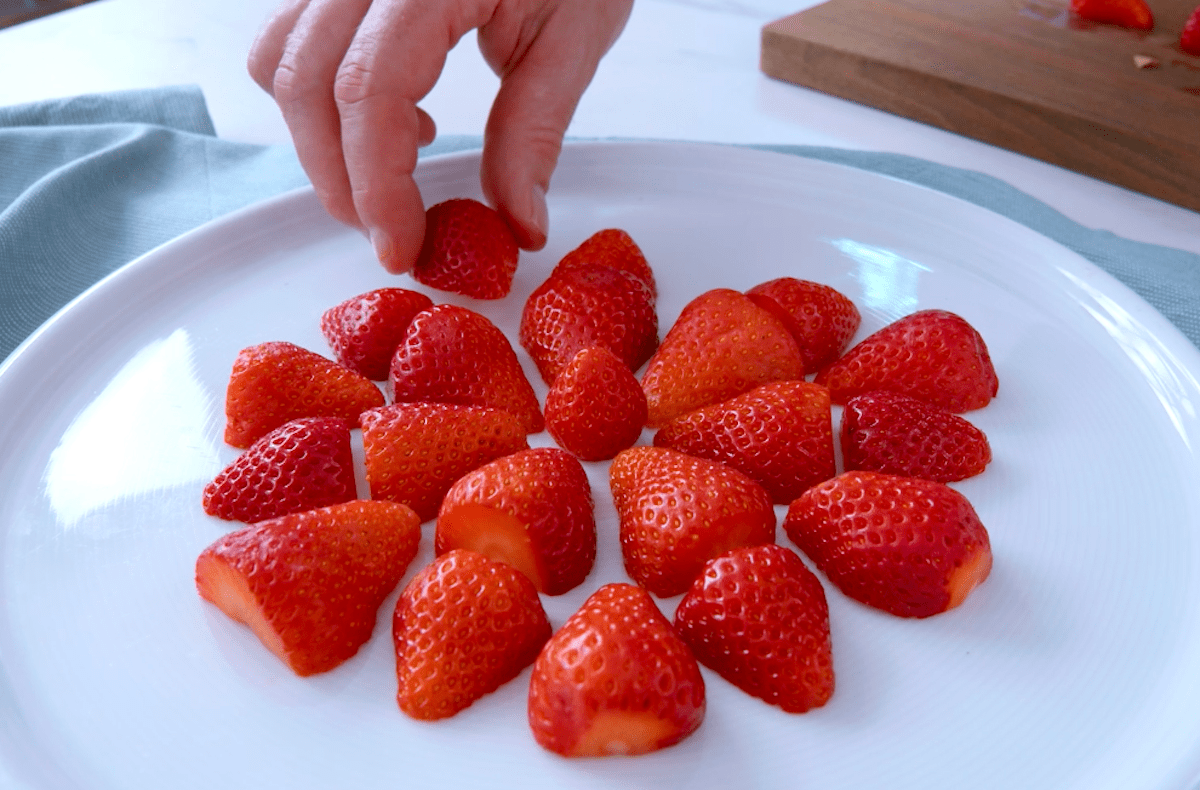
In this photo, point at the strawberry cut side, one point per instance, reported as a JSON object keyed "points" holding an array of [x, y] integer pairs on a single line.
{"points": [[532, 509], [492, 533]]}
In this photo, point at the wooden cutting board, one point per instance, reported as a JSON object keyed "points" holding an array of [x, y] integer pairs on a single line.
{"points": [[1026, 75]]}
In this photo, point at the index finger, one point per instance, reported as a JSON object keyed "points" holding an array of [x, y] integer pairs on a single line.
{"points": [[394, 60]]}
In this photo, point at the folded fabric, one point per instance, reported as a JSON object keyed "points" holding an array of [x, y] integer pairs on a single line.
{"points": [[92, 182]]}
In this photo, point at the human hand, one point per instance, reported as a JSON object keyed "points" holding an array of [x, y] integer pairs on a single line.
{"points": [[348, 74]]}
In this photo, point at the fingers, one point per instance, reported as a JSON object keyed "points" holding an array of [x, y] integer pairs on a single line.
{"points": [[302, 84], [543, 76], [267, 49], [347, 75], [393, 61]]}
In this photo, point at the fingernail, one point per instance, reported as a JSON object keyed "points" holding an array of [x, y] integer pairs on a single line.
{"points": [[384, 249], [538, 213]]}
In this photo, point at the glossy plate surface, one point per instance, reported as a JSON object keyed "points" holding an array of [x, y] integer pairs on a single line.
{"points": [[1073, 666]]}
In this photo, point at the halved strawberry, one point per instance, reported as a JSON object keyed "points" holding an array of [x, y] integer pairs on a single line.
{"points": [[309, 584], [584, 307], [615, 680], [468, 249], [1133, 14], [677, 511], [451, 354], [779, 434], [615, 248], [907, 546], [890, 432], [1189, 36], [413, 452], [595, 408], [933, 355], [463, 627], [364, 330], [532, 509], [758, 617], [302, 465], [277, 382], [722, 345], [821, 318]]}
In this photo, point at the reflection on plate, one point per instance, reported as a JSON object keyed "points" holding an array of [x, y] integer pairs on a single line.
{"points": [[1074, 666]]}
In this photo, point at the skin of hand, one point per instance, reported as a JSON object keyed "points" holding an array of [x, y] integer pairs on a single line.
{"points": [[348, 75]]}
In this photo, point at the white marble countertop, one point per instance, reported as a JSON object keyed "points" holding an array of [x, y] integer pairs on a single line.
{"points": [[682, 70]]}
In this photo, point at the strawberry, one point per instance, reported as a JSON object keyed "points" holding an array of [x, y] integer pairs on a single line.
{"points": [[309, 584], [364, 330], [820, 318], [779, 434], [462, 628], [758, 617], [1133, 14], [910, 547], [468, 249], [454, 355], [611, 247], [595, 408], [582, 307], [615, 680], [722, 345], [933, 355], [413, 452], [890, 432], [274, 383], [677, 511], [532, 509], [1189, 37], [302, 465]]}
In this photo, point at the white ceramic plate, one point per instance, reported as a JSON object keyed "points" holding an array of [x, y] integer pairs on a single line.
{"points": [[1077, 664]]}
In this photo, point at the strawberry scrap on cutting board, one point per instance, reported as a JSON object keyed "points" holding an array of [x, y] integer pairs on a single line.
{"points": [[1118, 104]]}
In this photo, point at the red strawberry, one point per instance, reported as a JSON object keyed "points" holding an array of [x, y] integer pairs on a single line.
{"points": [[1134, 14], [364, 330], [820, 318], [676, 512], [933, 355], [889, 432], [309, 584], [413, 452], [722, 345], [583, 307], [779, 435], [463, 627], [532, 509], [611, 247], [454, 355], [758, 617], [468, 249], [615, 680], [1189, 37], [302, 465], [274, 383], [907, 546], [595, 408]]}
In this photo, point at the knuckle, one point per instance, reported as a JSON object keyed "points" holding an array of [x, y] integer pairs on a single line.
{"points": [[288, 82], [353, 82]]}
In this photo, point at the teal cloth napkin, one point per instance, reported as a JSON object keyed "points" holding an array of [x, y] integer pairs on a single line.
{"points": [[89, 183]]}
